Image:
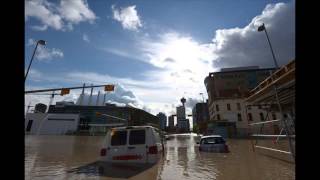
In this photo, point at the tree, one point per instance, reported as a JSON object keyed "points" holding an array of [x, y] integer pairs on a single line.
{"points": [[195, 129]]}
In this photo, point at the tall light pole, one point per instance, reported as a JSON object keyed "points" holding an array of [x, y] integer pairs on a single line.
{"points": [[42, 42], [263, 28], [202, 96]]}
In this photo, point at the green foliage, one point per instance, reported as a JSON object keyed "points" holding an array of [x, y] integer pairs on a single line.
{"points": [[195, 128]]}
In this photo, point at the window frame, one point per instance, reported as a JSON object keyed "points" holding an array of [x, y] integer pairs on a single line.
{"points": [[250, 118], [261, 116], [126, 138], [238, 106], [239, 119], [135, 138], [228, 106]]}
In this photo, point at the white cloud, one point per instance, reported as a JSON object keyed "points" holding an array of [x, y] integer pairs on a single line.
{"points": [[128, 17], [40, 28], [58, 17], [246, 46], [45, 12], [85, 38], [45, 54], [122, 53], [76, 11]]}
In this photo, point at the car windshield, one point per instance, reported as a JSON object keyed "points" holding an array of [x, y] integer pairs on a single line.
{"points": [[213, 140]]}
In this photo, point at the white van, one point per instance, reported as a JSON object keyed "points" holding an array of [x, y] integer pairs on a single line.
{"points": [[138, 144]]}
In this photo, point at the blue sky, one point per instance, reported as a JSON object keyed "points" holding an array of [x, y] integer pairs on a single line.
{"points": [[157, 50]]}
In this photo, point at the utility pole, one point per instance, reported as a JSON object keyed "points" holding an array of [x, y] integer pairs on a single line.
{"points": [[90, 95], [82, 94]]}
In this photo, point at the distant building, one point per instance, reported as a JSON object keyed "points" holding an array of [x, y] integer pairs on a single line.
{"points": [[89, 121], [227, 91], [181, 112], [200, 113], [182, 123], [171, 121], [163, 120], [40, 108], [51, 124]]}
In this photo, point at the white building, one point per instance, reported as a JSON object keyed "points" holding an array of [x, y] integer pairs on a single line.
{"points": [[234, 110], [51, 124]]}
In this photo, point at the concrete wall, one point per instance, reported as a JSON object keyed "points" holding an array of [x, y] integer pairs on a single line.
{"points": [[53, 124]]}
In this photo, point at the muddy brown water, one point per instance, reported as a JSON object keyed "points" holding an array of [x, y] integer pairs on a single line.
{"points": [[76, 157]]}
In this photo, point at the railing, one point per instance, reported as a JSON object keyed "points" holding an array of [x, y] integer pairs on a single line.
{"points": [[274, 77]]}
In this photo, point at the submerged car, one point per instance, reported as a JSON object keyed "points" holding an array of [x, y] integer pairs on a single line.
{"points": [[136, 144], [213, 143]]}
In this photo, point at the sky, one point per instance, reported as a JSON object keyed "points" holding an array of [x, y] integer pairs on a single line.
{"points": [[155, 52]]}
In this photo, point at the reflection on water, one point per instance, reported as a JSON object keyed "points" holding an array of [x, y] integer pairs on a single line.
{"points": [[76, 157]]}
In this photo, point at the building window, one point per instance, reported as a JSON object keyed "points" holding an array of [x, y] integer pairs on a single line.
{"points": [[259, 106], [274, 117], [250, 117], [228, 107], [261, 116], [239, 117], [249, 107], [218, 117], [217, 107], [238, 106]]}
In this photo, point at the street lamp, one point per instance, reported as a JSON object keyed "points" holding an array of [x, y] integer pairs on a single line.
{"points": [[263, 28], [42, 42], [202, 96]]}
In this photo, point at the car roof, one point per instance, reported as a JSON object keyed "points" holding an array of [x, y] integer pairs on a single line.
{"points": [[210, 136], [131, 127]]}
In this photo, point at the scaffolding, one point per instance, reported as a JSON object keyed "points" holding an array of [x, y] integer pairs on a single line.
{"points": [[276, 94]]}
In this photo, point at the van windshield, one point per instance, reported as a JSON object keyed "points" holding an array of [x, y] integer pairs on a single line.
{"points": [[137, 137], [118, 138]]}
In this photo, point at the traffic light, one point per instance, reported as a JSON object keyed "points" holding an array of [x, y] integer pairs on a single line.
{"points": [[98, 113], [109, 87], [64, 91]]}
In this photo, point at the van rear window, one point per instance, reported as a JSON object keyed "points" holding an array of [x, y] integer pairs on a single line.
{"points": [[118, 138], [137, 137], [212, 140]]}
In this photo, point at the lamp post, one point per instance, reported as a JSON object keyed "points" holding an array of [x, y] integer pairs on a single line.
{"points": [[202, 96], [263, 28], [42, 42]]}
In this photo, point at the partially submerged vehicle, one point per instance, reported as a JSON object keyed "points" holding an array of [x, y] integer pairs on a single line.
{"points": [[213, 143], [132, 144]]}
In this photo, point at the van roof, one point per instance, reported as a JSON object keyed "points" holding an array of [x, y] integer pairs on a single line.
{"points": [[131, 127], [209, 136]]}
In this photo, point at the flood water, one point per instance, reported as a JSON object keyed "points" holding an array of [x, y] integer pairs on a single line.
{"points": [[76, 157]]}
